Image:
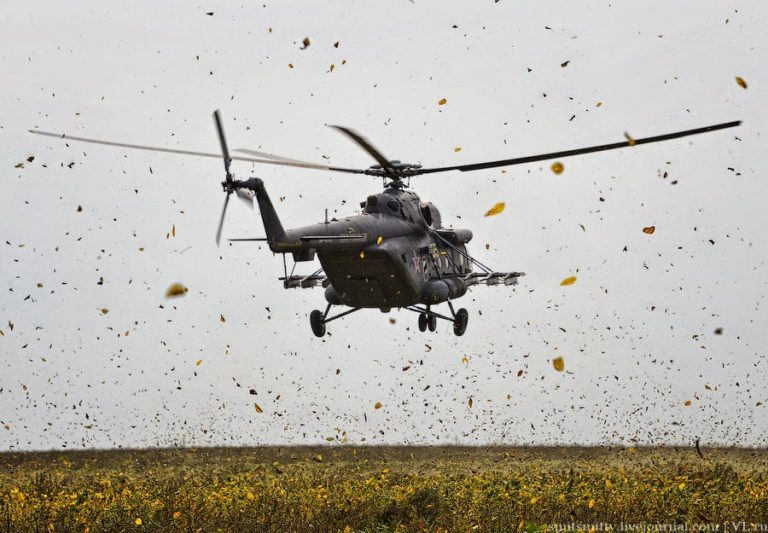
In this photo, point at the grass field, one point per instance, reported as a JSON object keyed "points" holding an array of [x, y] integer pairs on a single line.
{"points": [[381, 489]]}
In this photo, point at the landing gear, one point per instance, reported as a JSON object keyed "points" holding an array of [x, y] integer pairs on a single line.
{"points": [[460, 321], [428, 318], [317, 321]]}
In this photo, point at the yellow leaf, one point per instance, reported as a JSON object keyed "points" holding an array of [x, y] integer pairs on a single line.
{"points": [[741, 82], [176, 515], [632, 451], [608, 484], [137, 521], [380, 240], [465, 360], [649, 230], [250, 495], [534, 500], [558, 364], [332, 67], [443, 101], [681, 486], [457, 149], [598, 104], [591, 503], [377, 405], [570, 280], [630, 140], [362, 255], [198, 362], [176, 289], [557, 167], [496, 209], [319, 458]]}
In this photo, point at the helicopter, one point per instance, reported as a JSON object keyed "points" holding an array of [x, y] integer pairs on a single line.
{"points": [[396, 253]]}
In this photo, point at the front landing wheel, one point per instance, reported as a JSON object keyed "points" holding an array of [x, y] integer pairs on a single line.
{"points": [[423, 320], [460, 322], [317, 322]]}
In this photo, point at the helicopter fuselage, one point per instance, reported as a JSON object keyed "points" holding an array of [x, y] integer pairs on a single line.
{"points": [[394, 254]]}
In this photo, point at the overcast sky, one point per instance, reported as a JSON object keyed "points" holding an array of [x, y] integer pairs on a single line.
{"points": [[636, 330]]}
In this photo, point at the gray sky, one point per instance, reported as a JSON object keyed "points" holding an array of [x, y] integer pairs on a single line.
{"points": [[636, 330]]}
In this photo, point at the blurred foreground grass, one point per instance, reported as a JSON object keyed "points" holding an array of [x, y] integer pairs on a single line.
{"points": [[379, 488]]}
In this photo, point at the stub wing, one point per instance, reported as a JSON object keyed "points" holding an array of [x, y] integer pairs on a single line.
{"points": [[492, 278], [304, 282]]}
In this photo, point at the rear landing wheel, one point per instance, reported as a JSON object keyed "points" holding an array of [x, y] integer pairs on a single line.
{"points": [[460, 322], [317, 322], [423, 322], [432, 323]]}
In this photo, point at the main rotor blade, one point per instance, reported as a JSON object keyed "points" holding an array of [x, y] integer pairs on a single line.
{"points": [[221, 220], [578, 151], [367, 146], [297, 162], [66, 137], [222, 141]]}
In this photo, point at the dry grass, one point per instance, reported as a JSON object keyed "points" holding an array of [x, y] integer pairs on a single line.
{"points": [[382, 489]]}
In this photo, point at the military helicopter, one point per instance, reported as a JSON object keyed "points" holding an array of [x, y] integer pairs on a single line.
{"points": [[396, 252]]}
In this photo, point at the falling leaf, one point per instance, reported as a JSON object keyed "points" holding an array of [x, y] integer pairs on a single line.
{"points": [[630, 140], [306, 43], [290, 65], [30, 159], [570, 280], [318, 458], [18, 165], [557, 167], [332, 67], [392, 320], [362, 255], [687, 403], [519, 373], [79, 208], [565, 64], [719, 331], [377, 405], [222, 319], [380, 240], [173, 230], [496, 209], [258, 408], [442, 101], [598, 104], [177, 289], [457, 149], [104, 310], [648, 230], [558, 364], [741, 82], [465, 360], [470, 402], [198, 362]]}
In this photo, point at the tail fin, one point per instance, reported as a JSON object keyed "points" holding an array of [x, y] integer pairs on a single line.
{"points": [[276, 236]]}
